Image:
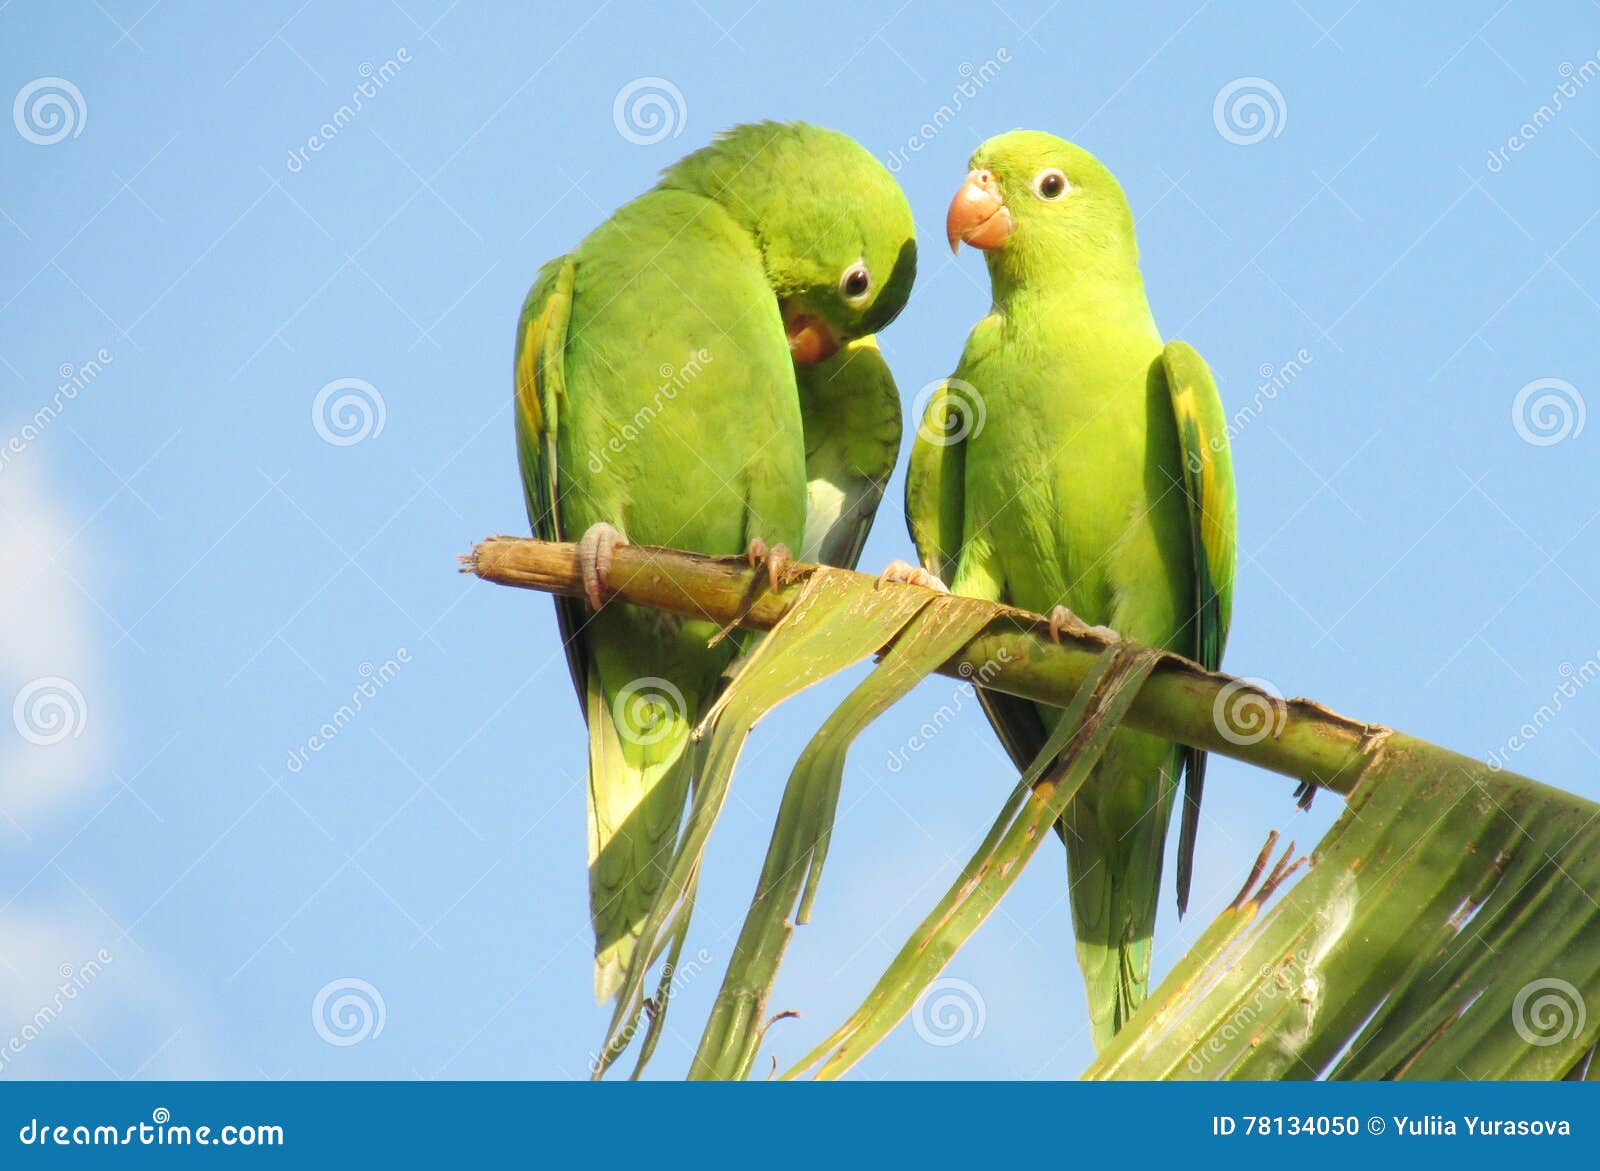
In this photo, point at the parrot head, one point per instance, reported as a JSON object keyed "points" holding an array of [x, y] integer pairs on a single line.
{"points": [[833, 227], [1038, 203]]}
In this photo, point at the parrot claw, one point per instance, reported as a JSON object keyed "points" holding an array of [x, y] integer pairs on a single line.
{"points": [[776, 560], [595, 549], [1062, 618], [904, 571]]}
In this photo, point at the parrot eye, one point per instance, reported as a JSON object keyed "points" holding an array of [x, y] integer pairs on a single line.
{"points": [[1050, 185], [856, 283]]}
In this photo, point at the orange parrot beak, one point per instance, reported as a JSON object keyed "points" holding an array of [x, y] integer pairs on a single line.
{"points": [[810, 339], [977, 214]]}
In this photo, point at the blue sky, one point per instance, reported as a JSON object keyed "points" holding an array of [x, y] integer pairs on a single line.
{"points": [[195, 579]]}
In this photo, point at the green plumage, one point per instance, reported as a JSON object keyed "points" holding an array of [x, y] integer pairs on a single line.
{"points": [[656, 393], [1068, 484]]}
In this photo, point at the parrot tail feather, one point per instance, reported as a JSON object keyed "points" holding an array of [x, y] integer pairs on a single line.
{"points": [[639, 768]]}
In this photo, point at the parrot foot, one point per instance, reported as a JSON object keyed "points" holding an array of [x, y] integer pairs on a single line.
{"points": [[776, 560], [595, 549], [904, 571], [1062, 618]]}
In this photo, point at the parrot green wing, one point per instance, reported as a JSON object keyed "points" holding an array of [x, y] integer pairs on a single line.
{"points": [[540, 394], [1208, 485], [935, 514], [850, 411], [935, 485]]}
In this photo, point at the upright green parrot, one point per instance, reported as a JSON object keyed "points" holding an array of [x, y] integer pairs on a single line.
{"points": [[1076, 460], [657, 403]]}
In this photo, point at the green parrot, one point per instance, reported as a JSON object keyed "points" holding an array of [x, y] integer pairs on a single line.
{"points": [[1078, 465], [657, 403]]}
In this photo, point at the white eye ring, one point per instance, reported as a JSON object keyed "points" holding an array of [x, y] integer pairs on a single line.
{"points": [[856, 283], [1048, 179]]}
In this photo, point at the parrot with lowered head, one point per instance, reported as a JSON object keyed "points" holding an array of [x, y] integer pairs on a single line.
{"points": [[1078, 465], [659, 373]]}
